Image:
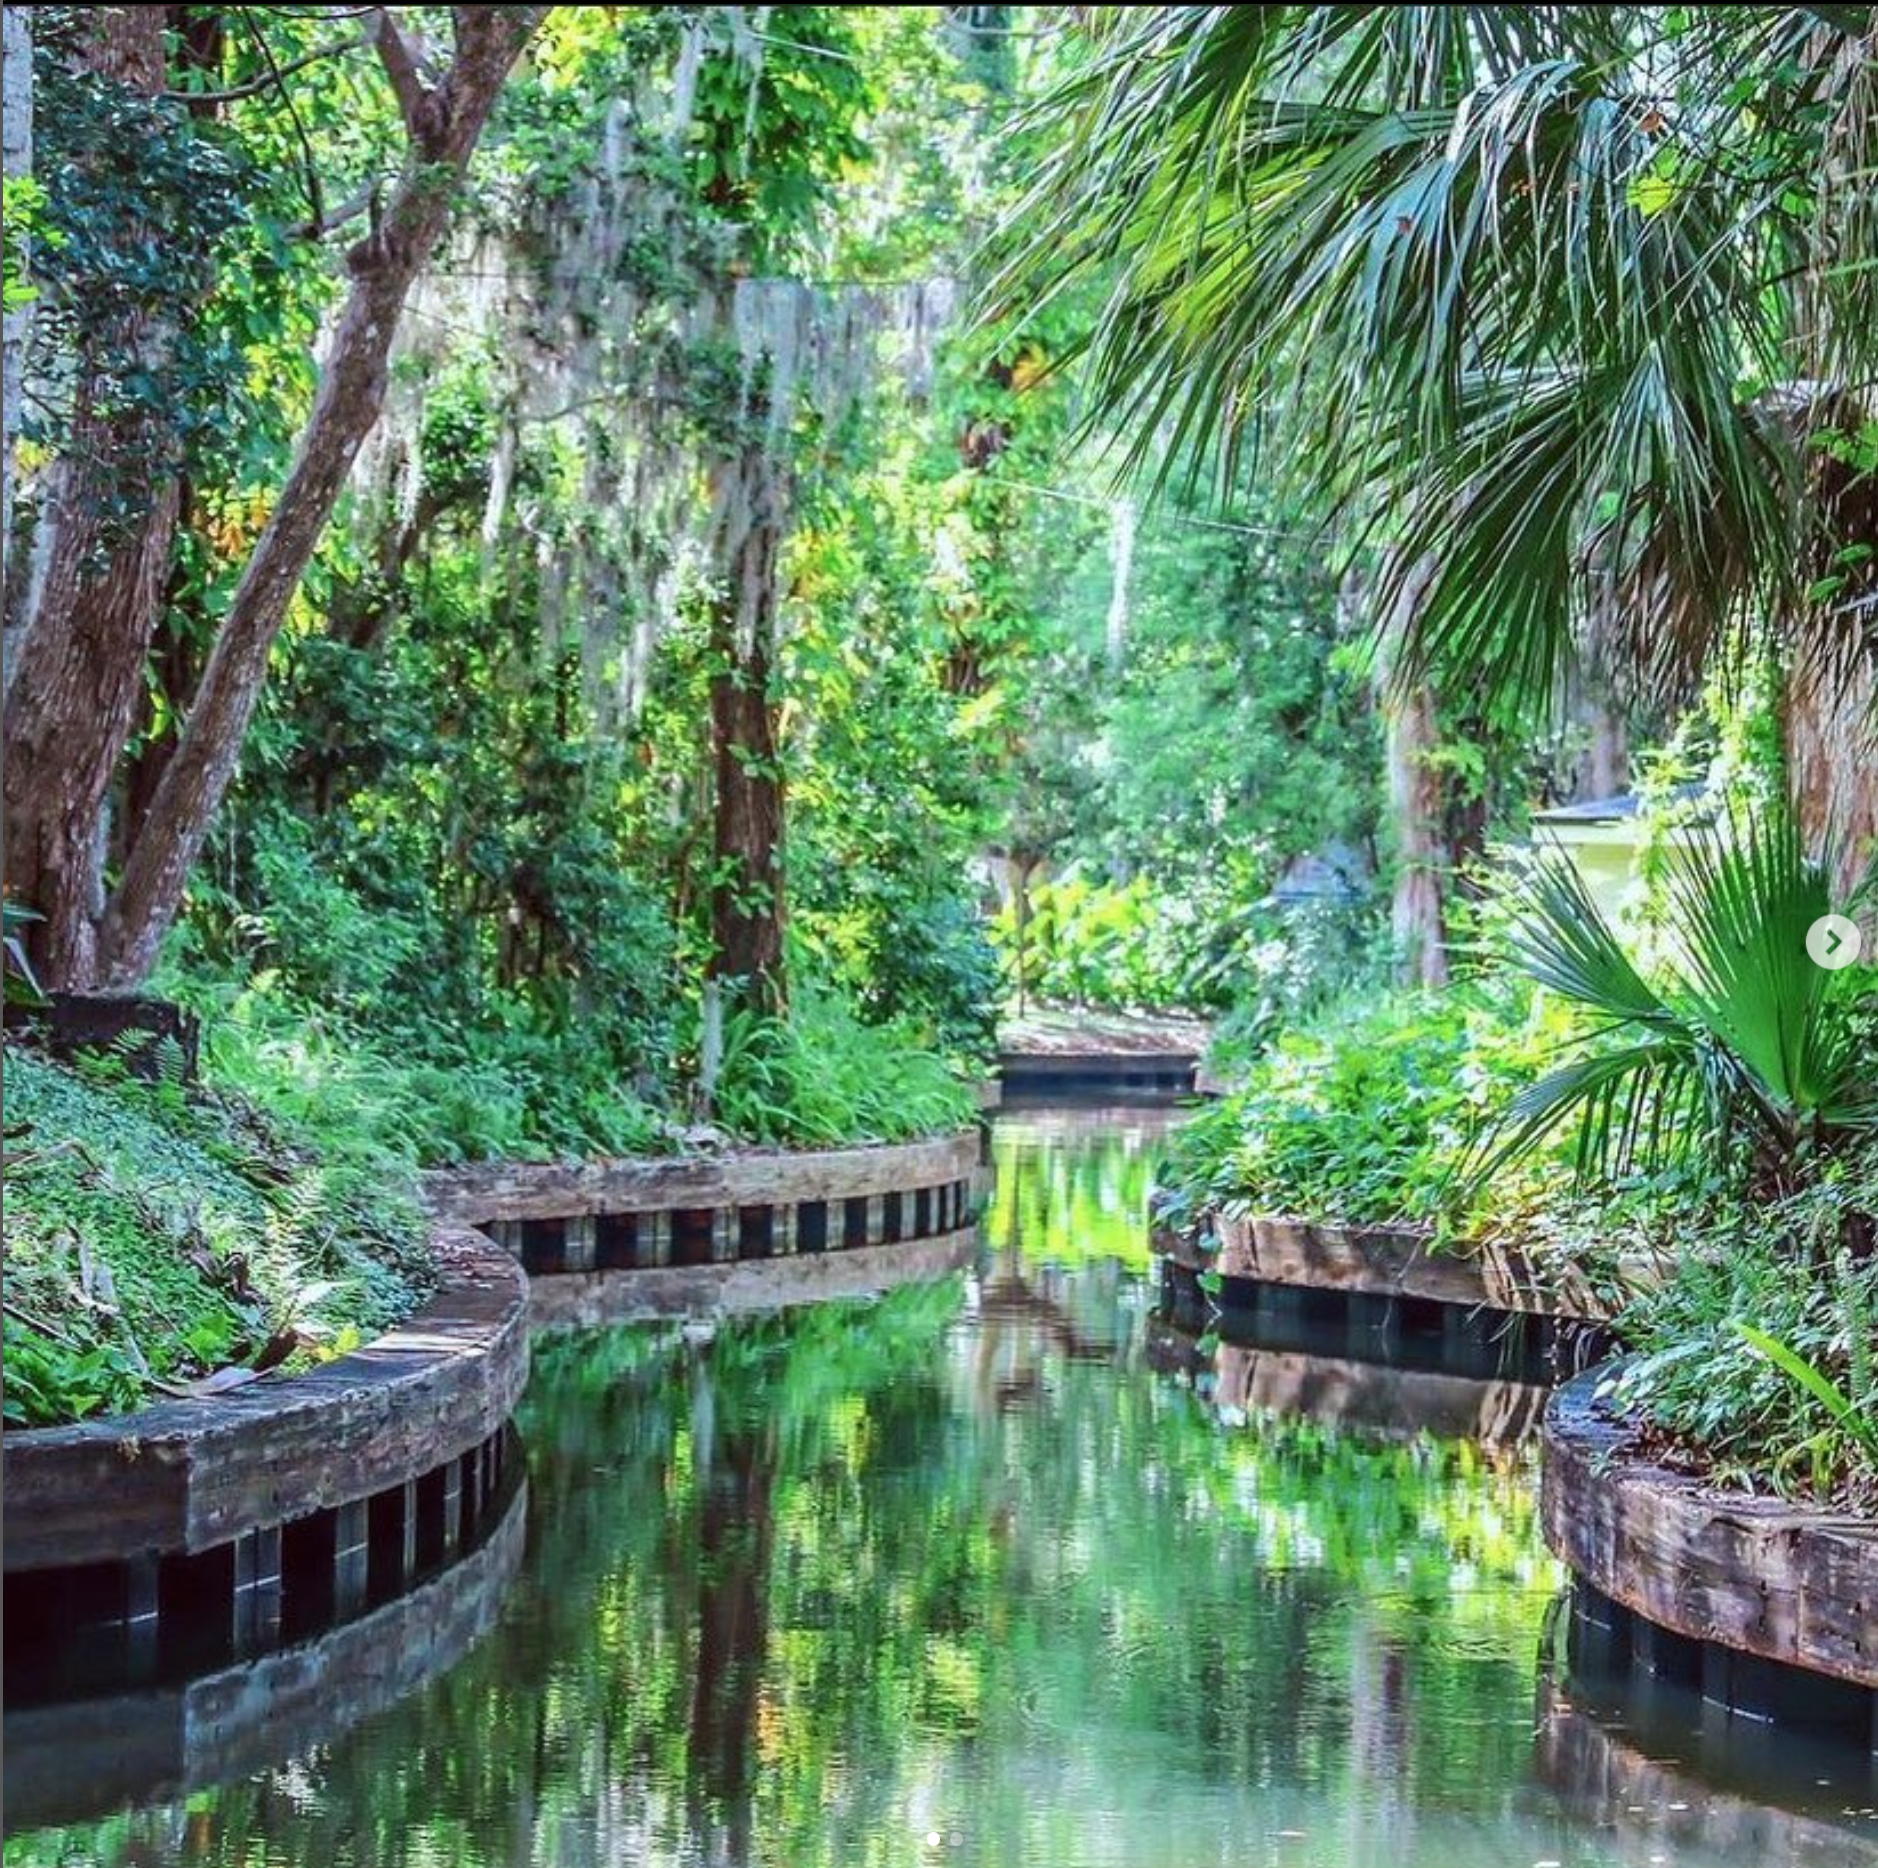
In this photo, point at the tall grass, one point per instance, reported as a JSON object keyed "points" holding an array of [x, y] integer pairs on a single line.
{"points": [[822, 1075]]}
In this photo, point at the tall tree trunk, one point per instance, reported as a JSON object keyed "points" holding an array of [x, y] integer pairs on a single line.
{"points": [[70, 714], [173, 664], [76, 667], [747, 899], [1832, 764], [16, 144], [1604, 769], [443, 123], [1419, 915]]}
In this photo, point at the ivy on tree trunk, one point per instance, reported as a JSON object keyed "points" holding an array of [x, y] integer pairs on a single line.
{"points": [[747, 900]]}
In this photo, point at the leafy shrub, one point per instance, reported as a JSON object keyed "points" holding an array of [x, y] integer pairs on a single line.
{"points": [[156, 1233], [938, 971], [1703, 1372], [1367, 1113], [1087, 943], [823, 1075]]}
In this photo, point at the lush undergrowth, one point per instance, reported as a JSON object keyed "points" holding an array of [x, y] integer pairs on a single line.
{"points": [[823, 1075], [429, 1094], [432, 1094], [158, 1234], [1149, 946], [1761, 1350], [1752, 1329], [1373, 1111], [1682, 1131]]}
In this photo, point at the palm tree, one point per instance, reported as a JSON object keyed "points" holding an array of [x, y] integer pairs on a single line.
{"points": [[1740, 1050], [1573, 304]]}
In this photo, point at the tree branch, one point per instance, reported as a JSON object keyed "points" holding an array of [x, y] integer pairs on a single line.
{"points": [[277, 80], [271, 81], [416, 100], [348, 210]]}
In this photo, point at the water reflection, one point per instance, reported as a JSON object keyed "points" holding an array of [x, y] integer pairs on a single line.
{"points": [[1243, 1380], [1646, 1758], [969, 1575]]}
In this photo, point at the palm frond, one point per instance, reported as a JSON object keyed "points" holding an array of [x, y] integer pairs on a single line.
{"points": [[1510, 283], [1629, 1103], [1561, 938]]}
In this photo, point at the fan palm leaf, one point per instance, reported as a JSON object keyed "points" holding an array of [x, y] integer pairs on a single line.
{"points": [[1513, 282], [1746, 1043]]}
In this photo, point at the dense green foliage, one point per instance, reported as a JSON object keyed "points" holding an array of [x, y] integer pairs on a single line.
{"points": [[1664, 1124], [1201, 721], [1740, 1049], [1562, 296], [1369, 1112], [1205, 945], [823, 1075], [156, 1234], [472, 841], [1773, 1376]]}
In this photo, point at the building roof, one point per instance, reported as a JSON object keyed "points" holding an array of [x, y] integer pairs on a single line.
{"points": [[1618, 810]]}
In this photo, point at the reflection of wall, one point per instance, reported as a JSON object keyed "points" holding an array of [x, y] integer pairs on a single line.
{"points": [[1372, 1395], [1652, 1796], [92, 1755]]}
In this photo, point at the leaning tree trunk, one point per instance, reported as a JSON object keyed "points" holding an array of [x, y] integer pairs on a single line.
{"points": [[75, 670], [747, 898], [443, 123]]}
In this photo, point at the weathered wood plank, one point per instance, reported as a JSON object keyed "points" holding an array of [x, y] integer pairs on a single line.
{"points": [[1757, 1575], [755, 1177], [187, 1475], [1098, 1063], [1389, 1261]]}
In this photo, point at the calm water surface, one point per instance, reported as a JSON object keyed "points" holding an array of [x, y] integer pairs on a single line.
{"points": [[1012, 1571]]}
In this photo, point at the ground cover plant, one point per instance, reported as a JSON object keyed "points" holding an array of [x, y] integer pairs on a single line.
{"points": [[1764, 1378], [158, 1235]]}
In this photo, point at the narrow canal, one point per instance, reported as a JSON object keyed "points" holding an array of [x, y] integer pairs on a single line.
{"points": [[1024, 1569]]}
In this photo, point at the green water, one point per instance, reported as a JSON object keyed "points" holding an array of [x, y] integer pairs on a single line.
{"points": [[1000, 1571]]}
